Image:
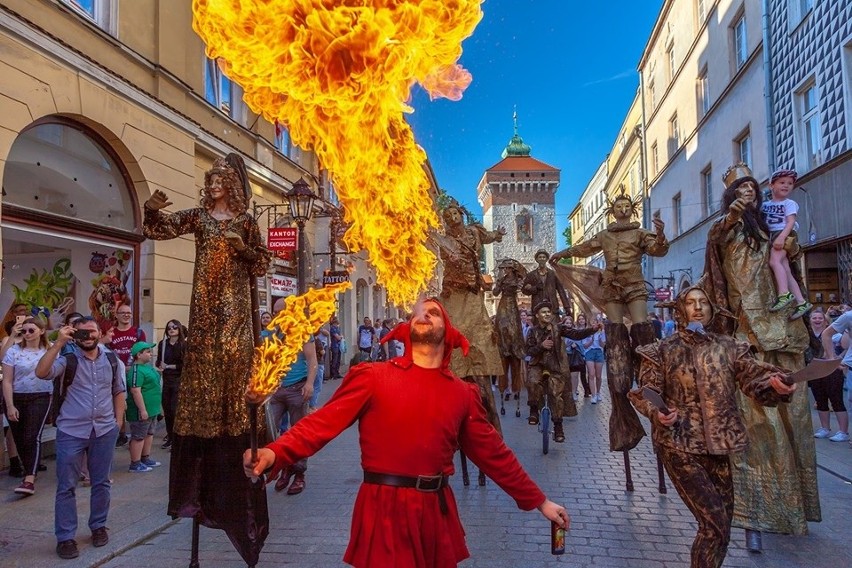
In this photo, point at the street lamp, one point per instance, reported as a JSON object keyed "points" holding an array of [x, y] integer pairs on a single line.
{"points": [[301, 201]]}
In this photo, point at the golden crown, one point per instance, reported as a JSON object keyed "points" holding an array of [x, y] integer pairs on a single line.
{"points": [[735, 172]]}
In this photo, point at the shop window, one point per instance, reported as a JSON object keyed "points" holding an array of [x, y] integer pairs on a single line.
{"points": [[62, 170]]}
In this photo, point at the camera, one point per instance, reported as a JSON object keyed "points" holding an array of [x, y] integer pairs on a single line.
{"points": [[81, 334]]}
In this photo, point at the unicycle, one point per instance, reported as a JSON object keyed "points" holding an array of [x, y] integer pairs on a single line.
{"points": [[544, 420]]}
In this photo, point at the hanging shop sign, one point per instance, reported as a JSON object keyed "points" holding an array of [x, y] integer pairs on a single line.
{"points": [[662, 294], [282, 239], [334, 277]]}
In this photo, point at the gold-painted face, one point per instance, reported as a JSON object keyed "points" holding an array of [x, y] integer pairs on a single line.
{"points": [[697, 307], [747, 191]]}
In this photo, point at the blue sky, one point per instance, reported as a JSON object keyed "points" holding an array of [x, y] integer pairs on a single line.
{"points": [[568, 66]]}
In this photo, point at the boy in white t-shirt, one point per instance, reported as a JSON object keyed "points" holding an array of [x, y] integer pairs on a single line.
{"points": [[780, 215]]}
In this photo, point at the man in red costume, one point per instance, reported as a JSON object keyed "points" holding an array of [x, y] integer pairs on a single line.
{"points": [[413, 415]]}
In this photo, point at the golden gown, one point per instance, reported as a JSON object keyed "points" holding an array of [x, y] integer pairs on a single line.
{"points": [[775, 483]]}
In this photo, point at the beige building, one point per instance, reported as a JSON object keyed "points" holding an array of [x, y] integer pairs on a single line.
{"points": [[702, 85], [624, 163], [101, 103]]}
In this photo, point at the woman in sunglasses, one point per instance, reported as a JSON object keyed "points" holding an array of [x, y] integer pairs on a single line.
{"points": [[27, 397], [170, 353]]}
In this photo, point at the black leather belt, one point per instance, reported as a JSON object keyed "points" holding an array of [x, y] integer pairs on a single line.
{"points": [[424, 483]]}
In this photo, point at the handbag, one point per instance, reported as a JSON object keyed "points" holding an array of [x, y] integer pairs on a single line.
{"points": [[343, 346], [576, 361]]}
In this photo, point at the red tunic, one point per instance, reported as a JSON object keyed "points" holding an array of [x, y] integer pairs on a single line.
{"points": [[411, 421]]}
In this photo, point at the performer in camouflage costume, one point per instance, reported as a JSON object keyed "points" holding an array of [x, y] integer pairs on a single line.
{"points": [[697, 374]]}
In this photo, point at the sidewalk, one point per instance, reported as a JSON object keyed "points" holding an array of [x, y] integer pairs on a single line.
{"points": [[137, 510], [610, 527]]}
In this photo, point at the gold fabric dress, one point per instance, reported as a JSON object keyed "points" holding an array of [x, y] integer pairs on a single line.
{"points": [[218, 359], [775, 483]]}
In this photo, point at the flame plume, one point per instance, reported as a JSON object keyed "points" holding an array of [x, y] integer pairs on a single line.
{"points": [[301, 316], [338, 74]]}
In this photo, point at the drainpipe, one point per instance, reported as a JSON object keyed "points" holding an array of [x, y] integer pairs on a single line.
{"points": [[643, 176], [768, 92]]}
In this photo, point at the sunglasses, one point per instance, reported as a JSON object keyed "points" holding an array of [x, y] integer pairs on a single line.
{"points": [[29, 330], [125, 313], [171, 327]]}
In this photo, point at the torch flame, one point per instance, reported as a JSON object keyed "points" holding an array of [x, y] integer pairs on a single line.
{"points": [[338, 74], [301, 316]]}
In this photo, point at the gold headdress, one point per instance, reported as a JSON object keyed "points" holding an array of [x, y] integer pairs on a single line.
{"points": [[735, 172], [623, 196]]}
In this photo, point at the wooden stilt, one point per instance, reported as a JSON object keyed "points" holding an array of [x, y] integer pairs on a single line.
{"points": [[193, 559], [628, 477], [663, 488], [465, 475]]}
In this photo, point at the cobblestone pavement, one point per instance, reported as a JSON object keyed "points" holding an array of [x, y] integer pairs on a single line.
{"points": [[609, 526]]}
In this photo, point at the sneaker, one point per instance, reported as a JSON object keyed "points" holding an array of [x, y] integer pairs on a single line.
{"points": [[139, 468], [822, 433], [801, 310], [594, 399], [122, 440], [840, 437], [576, 397], [67, 549], [25, 488], [782, 302], [100, 537], [167, 445], [151, 463]]}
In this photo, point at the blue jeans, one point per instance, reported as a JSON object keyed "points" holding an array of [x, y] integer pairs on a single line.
{"points": [[317, 386], [69, 459]]}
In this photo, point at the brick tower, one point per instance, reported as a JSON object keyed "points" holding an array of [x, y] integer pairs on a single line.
{"points": [[518, 193]]}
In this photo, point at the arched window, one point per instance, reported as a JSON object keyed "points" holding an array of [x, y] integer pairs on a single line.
{"points": [[63, 169]]}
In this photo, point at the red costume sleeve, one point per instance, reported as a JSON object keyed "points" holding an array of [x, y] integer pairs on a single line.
{"points": [[484, 446], [314, 431]]}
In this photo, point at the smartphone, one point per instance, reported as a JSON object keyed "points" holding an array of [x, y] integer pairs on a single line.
{"points": [[557, 539], [81, 334], [20, 319]]}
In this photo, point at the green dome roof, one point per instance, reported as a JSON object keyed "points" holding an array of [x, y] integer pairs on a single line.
{"points": [[516, 145]]}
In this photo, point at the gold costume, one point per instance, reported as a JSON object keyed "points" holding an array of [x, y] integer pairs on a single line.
{"points": [[623, 245], [775, 480], [218, 359], [464, 300]]}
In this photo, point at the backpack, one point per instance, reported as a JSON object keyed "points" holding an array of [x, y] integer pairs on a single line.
{"points": [[62, 382]]}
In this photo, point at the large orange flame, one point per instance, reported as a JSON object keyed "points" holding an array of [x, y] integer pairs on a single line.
{"points": [[301, 316], [338, 74]]}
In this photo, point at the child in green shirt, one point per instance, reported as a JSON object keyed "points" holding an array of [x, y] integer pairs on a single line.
{"points": [[144, 403]]}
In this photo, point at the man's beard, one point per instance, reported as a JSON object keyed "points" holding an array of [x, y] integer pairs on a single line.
{"points": [[430, 337], [88, 348]]}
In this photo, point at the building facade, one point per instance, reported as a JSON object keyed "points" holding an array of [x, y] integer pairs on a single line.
{"points": [[589, 219], [101, 104], [702, 87], [811, 47], [518, 194]]}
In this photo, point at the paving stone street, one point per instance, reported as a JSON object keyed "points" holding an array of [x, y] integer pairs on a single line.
{"points": [[610, 527]]}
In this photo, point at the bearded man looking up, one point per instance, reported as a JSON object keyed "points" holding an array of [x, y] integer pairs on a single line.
{"points": [[413, 414]]}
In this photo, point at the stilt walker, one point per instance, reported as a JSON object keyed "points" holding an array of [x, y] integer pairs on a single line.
{"points": [[463, 297], [206, 481], [620, 290]]}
